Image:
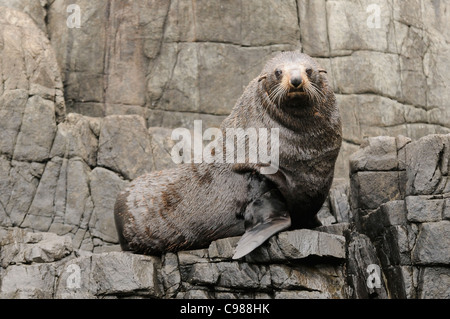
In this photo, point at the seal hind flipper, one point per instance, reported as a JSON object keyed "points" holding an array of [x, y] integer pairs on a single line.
{"points": [[264, 217]]}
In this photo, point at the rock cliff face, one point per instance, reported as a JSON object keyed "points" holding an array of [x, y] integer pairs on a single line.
{"points": [[85, 110], [175, 61]]}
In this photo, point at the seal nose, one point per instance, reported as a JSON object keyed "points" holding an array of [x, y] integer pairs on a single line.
{"points": [[296, 81]]}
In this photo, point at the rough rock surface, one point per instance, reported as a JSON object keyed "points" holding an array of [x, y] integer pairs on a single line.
{"points": [[86, 108], [406, 216], [172, 62], [45, 265]]}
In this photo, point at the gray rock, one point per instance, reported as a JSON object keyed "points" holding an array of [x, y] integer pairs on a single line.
{"points": [[302, 294], [203, 274], [190, 257], [321, 278], [42, 210], [434, 283], [421, 209], [380, 80], [371, 189], [77, 200], [162, 145], [109, 274], [303, 243], [433, 244], [12, 107], [170, 274], [339, 201], [105, 186], [336, 229], [37, 130], [223, 248], [423, 165], [377, 154], [35, 9], [121, 273], [362, 259], [21, 186], [242, 275], [28, 281], [446, 212], [124, 146], [75, 138], [20, 246], [313, 31]]}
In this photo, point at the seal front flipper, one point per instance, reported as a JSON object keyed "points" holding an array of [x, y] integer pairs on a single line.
{"points": [[264, 217]]}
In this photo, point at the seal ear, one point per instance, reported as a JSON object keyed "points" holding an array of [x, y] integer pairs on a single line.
{"points": [[322, 70], [262, 77]]}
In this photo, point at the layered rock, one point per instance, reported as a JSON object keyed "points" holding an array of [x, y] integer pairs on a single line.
{"points": [[132, 71], [45, 265], [400, 198], [174, 62]]}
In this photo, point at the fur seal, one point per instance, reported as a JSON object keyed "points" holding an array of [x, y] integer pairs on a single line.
{"points": [[193, 204]]}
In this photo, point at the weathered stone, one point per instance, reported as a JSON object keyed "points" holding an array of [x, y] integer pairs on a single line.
{"points": [[74, 279], [194, 294], [12, 107], [170, 274], [20, 246], [423, 165], [172, 63], [75, 138], [302, 243], [339, 201], [124, 146], [42, 209], [243, 275], [389, 214], [35, 9], [359, 30], [377, 154], [22, 184], [446, 212], [336, 229], [119, 273], [223, 248], [434, 283], [174, 119], [324, 215], [421, 209], [302, 294], [37, 130], [409, 275], [433, 244], [382, 77], [28, 282], [192, 256], [313, 31], [371, 189], [362, 261], [323, 279], [203, 274], [105, 186], [162, 145], [78, 205]]}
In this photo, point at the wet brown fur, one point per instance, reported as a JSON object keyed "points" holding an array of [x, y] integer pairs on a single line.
{"points": [[194, 204]]}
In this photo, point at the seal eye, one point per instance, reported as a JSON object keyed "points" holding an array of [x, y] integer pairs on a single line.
{"points": [[309, 71], [278, 73]]}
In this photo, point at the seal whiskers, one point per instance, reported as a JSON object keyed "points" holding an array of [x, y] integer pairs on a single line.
{"points": [[191, 205]]}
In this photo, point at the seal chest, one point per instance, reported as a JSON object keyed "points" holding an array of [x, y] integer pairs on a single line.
{"points": [[194, 204]]}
